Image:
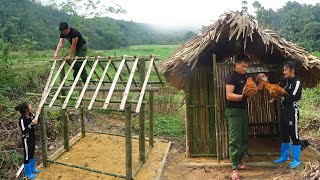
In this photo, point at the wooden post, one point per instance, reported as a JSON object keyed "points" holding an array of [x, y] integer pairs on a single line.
{"points": [[43, 137], [128, 142], [151, 119], [142, 69], [64, 114], [216, 116], [188, 119]]}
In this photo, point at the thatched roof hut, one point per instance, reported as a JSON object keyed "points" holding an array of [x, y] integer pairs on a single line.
{"points": [[231, 34], [200, 67]]}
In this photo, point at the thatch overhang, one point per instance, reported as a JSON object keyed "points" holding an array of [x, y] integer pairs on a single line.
{"points": [[235, 33]]}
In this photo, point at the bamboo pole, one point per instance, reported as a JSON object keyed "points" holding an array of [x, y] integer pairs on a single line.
{"points": [[215, 83], [45, 88], [144, 85], [157, 72], [126, 92], [132, 89], [100, 64], [108, 109], [163, 162], [114, 83], [87, 99], [92, 67], [151, 104], [128, 143], [86, 84], [74, 84], [43, 137], [43, 99], [188, 119], [128, 68], [62, 81], [142, 68], [88, 169], [83, 132], [115, 67], [149, 82], [99, 85], [115, 58]]}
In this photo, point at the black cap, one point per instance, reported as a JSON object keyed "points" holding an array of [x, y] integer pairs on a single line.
{"points": [[63, 26]]}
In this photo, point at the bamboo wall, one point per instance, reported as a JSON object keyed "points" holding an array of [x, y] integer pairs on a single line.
{"points": [[263, 117]]}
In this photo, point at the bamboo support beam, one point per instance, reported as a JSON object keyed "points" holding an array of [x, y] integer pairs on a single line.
{"points": [[149, 82], [86, 84], [128, 142], [188, 119], [83, 107], [216, 118], [163, 162], [142, 65], [151, 98], [94, 68], [43, 137], [115, 58], [45, 89], [99, 85], [126, 92], [100, 64], [144, 86], [83, 131], [62, 82], [113, 85], [115, 67], [74, 84], [88, 169]]}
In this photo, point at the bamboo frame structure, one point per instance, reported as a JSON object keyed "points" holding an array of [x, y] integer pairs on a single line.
{"points": [[66, 95]]}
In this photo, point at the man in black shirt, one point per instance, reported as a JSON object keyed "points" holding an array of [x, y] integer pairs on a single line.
{"points": [[236, 114], [78, 47]]}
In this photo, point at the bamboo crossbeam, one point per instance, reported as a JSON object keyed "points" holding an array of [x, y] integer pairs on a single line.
{"points": [[158, 74], [45, 88], [150, 82], [116, 58], [113, 85], [85, 99], [74, 84], [94, 108], [52, 83], [144, 86], [129, 71], [126, 92], [86, 84], [115, 67], [88, 169], [99, 85], [132, 89], [62, 82]]}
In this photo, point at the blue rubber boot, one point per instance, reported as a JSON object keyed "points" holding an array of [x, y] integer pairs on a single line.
{"points": [[33, 166], [296, 151], [27, 171], [285, 153]]}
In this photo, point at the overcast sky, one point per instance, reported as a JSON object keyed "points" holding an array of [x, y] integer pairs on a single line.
{"points": [[196, 13], [187, 12]]}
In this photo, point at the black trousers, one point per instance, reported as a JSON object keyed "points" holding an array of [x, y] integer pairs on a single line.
{"points": [[28, 148], [289, 125]]}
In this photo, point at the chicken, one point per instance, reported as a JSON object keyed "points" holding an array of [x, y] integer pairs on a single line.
{"points": [[275, 90], [250, 88]]}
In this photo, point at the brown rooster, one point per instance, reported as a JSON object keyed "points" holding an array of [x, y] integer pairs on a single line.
{"points": [[250, 88], [274, 89]]}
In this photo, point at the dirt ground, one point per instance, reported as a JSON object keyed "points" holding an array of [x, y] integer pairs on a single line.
{"points": [[105, 153], [176, 167]]}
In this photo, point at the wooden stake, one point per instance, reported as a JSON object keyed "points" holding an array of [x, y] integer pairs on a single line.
{"points": [[142, 72], [128, 143], [99, 85], [126, 92], [144, 85], [151, 98], [63, 80], [114, 83], [86, 84]]}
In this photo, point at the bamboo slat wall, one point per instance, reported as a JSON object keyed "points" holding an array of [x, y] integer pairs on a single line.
{"points": [[263, 121]]}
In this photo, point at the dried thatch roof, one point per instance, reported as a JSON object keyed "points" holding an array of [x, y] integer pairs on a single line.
{"points": [[235, 33]]}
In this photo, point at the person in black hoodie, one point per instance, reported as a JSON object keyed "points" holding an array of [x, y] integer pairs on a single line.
{"points": [[27, 126], [290, 115]]}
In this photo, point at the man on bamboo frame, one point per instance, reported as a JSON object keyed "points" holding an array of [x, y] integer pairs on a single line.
{"points": [[78, 47], [236, 114]]}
